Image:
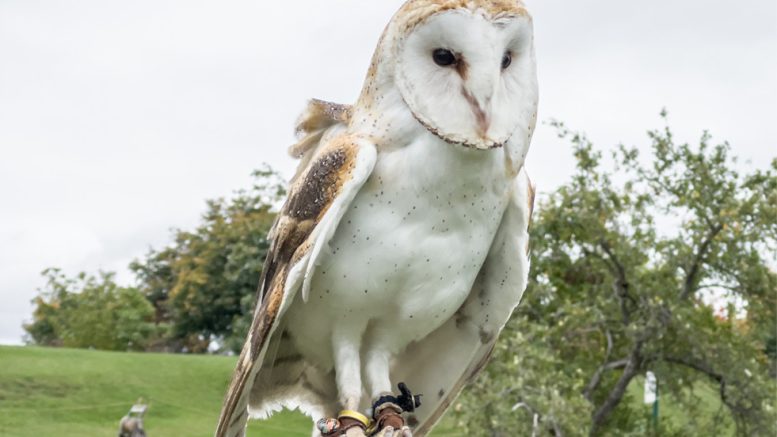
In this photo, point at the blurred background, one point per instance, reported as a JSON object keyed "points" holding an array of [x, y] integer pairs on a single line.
{"points": [[119, 120]]}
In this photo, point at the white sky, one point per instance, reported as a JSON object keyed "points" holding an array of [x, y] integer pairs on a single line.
{"points": [[118, 119]]}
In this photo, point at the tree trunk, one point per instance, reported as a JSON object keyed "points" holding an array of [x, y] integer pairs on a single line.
{"points": [[602, 413]]}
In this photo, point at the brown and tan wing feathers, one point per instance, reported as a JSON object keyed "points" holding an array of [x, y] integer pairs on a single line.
{"points": [[333, 174]]}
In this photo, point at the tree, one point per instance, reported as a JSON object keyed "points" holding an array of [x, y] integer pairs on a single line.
{"points": [[204, 284], [90, 312], [628, 265]]}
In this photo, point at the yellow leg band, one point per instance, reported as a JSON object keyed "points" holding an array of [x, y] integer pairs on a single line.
{"points": [[356, 416]]}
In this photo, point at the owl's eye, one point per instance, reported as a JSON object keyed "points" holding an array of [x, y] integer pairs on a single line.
{"points": [[507, 59], [443, 57]]}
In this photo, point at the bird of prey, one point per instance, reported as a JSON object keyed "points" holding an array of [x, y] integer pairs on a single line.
{"points": [[401, 250]]}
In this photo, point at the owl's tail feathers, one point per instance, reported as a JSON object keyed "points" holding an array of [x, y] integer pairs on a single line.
{"points": [[234, 412]]}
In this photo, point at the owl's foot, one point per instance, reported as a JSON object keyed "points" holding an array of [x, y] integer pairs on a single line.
{"points": [[348, 423], [389, 423], [387, 413]]}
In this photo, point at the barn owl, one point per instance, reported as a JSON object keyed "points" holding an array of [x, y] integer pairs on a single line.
{"points": [[402, 248]]}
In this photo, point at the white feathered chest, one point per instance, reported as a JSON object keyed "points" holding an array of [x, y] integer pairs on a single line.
{"points": [[408, 250]]}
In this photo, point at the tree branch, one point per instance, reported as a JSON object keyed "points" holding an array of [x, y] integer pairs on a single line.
{"points": [[706, 369], [557, 431], [743, 409], [621, 271], [621, 283], [597, 377], [729, 287], [693, 272], [616, 394], [536, 416], [595, 254]]}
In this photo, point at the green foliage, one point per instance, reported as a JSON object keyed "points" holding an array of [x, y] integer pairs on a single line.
{"points": [[626, 262], [204, 284], [90, 312]]}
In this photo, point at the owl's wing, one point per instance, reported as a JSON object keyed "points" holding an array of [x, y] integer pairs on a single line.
{"points": [[318, 118], [335, 166], [441, 364]]}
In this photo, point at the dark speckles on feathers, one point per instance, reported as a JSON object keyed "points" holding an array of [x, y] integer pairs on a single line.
{"points": [[461, 319], [318, 187], [485, 336]]}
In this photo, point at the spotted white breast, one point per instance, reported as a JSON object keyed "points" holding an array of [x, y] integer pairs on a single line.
{"points": [[408, 250]]}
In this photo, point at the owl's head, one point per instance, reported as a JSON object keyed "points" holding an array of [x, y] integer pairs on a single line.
{"points": [[466, 68]]}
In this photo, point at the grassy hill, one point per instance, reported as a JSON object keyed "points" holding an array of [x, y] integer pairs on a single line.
{"points": [[63, 393], [69, 393]]}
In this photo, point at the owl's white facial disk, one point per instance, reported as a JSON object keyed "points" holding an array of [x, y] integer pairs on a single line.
{"points": [[468, 78]]}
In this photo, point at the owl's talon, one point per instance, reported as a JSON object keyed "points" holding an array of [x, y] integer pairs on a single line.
{"points": [[386, 432], [387, 413]]}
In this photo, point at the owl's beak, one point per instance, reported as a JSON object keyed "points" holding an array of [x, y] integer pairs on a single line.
{"points": [[479, 94], [481, 115], [480, 104]]}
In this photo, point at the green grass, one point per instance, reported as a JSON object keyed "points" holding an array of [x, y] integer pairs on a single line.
{"points": [[69, 393], [61, 392], [707, 405]]}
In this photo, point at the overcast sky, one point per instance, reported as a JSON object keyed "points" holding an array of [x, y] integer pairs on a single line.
{"points": [[118, 119]]}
